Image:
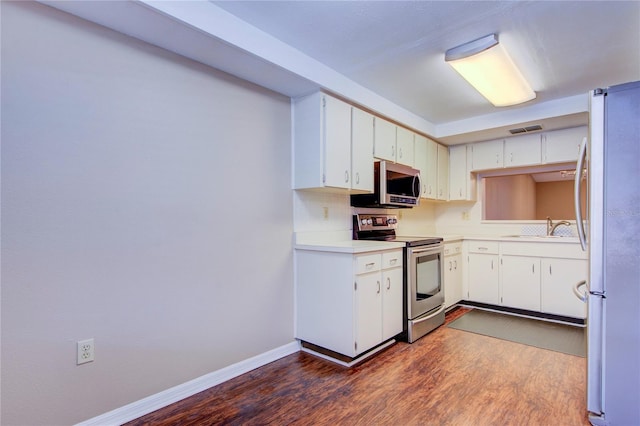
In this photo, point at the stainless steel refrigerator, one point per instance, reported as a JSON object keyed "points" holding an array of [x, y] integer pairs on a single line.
{"points": [[612, 163]]}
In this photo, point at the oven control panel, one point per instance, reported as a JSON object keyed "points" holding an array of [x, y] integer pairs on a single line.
{"points": [[374, 222]]}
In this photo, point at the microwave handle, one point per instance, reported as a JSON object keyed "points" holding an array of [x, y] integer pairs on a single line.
{"points": [[417, 185]]}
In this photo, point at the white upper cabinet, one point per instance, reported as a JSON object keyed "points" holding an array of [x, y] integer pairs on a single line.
{"points": [[488, 155], [443, 172], [361, 150], [393, 143], [522, 150], [461, 181], [337, 143], [384, 145], [323, 137], [426, 160], [404, 146], [561, 146]]}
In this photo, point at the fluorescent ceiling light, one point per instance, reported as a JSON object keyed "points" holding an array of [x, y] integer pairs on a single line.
{"points": [[488, 68]]}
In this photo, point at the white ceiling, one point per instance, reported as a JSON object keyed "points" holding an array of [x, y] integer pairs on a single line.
{"points": [[389, 55], [396, 48]]}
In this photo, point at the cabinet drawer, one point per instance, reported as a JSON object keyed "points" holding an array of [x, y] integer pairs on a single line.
{"points": [[392, 259], [452, 249], [368, 263], [492, 247]]}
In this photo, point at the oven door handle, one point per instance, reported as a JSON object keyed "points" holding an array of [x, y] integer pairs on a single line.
{"points": [[428, 317]]}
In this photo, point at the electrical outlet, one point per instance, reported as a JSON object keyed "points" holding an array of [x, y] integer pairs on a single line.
{"points": [[465, 215], [86, 351], [325, 212]]}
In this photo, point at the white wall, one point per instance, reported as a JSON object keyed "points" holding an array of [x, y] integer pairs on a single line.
{"points": [[129, 175]]}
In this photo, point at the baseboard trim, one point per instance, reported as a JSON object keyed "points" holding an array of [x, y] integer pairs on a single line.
{"points": [[580, 322], [162, 399]]}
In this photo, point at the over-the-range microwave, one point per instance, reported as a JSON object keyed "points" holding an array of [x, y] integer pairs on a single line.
{"points": [[395, 186]]}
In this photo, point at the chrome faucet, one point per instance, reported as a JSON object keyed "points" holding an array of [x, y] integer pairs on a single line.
{"points": [[551, 227]]}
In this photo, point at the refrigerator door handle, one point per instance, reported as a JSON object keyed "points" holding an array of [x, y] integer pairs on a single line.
{"points": [[576, 290], [577, 190]]}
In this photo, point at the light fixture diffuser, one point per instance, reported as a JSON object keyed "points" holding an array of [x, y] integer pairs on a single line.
{"points": [[485, 64]]}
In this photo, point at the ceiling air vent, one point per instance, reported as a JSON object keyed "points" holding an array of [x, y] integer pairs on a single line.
{"points": [[527, 129]]}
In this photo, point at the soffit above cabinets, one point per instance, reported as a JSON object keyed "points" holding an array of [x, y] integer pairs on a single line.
{"points": [[389, 56]]}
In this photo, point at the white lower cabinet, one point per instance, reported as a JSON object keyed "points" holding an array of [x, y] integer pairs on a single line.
{"points": [[520, 278], [483, 275], [558, 278], [452, 274], [391, 303], [368, 324], [348, 303], [537, 277]]}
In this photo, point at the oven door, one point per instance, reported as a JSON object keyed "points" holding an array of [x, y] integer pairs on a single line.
{"points": [[425, 290]]}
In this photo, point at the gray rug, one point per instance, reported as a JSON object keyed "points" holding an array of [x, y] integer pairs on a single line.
{"points": [[542, 334]]}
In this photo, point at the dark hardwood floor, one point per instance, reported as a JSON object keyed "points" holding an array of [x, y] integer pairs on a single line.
{"points": [[449, 377]]}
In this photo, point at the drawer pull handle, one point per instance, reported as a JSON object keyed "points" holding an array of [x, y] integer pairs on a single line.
{"points": [[393, 261], [483, 248], [369, 265], [388, 283]]}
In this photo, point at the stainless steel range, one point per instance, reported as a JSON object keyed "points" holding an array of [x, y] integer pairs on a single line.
{"points": [[423, 272]]}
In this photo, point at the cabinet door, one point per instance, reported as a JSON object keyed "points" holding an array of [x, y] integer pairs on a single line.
{"points": [[522, 150], [384, 139], [483, 278], [337, 143], [404, 146], [368, 311], [452, 279], [558, 278], [561, 146], [488, 155], [443, 172], [391, 303], [420, 161], [520, 282], [361, 151], [432, 170], [458, 175], [426, 155]]}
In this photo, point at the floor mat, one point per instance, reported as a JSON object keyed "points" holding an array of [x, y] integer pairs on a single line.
{"points": [[542, 334]]}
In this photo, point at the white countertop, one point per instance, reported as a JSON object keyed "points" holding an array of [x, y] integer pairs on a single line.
{"points": [[349, 246], [525, 238], [339, 244]]}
